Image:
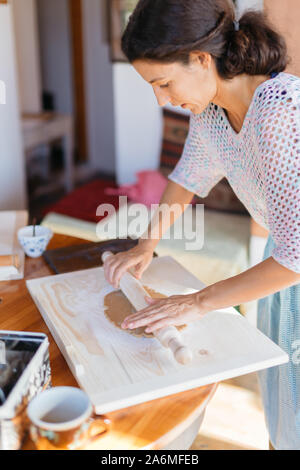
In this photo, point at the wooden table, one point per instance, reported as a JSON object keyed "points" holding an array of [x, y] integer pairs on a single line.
{"points": [[170, 422]]}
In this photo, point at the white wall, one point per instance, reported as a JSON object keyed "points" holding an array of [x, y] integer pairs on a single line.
{"points": [[138, 124], [99, 87], [12, 168], [56, 57], [28, 60]]}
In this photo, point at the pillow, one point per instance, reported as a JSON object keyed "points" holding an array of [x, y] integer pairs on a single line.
{"points": [[82, 203], [147, 190]]}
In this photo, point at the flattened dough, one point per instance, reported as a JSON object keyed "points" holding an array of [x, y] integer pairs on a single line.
{"points": [[118, 307]]}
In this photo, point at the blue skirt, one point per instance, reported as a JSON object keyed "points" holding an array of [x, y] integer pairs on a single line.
{"points": [[279, 319]]}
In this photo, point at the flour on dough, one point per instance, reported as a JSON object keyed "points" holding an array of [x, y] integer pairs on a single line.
{"points": [[118, 307]]}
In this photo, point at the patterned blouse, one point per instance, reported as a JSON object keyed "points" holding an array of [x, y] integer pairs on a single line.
{"points": [[261, 162]]}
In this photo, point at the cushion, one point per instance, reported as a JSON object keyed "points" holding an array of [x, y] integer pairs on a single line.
{"points": [[82, 203], [147, 190]]}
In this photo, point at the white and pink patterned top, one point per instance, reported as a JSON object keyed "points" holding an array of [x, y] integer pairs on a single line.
{"points": [[261, 162]]}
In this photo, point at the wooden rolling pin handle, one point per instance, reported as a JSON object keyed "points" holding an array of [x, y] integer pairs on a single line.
{"points": [[182, 354], [169, 336]]}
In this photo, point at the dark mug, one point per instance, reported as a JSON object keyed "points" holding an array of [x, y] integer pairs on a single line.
{"points": [[62, 418]]}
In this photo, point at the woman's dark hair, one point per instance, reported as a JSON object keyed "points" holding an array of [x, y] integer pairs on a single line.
{"points": [[169, 30]]}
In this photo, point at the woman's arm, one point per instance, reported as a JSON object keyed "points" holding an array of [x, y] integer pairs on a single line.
{"points": [[258, 282], [173, 202], [138, 258]]}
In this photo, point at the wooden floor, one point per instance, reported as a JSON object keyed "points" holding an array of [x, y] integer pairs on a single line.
{"points": [[234, 419]]}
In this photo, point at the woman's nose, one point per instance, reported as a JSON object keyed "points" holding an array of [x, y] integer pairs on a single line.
{"points": [[161, 96]]}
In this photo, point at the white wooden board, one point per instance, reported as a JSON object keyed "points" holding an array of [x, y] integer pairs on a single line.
{"points": [[10, 223], [118, 370]]}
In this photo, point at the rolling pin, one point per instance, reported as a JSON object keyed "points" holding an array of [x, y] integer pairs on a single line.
{"points": [[169, 336]]}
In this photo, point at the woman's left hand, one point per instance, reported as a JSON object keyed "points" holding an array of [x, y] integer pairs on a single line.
{"points": [[174, 310]]}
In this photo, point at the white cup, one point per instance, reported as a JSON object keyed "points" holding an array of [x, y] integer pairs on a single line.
{"points": [[34, 245], [63, 418]]}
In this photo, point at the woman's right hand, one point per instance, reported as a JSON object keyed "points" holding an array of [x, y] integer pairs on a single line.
{"points": [[137, 259]]}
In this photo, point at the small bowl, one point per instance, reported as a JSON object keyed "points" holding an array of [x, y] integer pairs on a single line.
{"points": [[34, 246]]}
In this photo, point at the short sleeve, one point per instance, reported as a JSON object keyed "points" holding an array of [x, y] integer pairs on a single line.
{"points": [[198, 170], [279, 143]]}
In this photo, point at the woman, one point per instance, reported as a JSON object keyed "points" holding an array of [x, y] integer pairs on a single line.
{"points": [[245, 125]]}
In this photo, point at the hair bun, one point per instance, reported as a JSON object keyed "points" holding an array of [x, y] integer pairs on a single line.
{"points": [[258, 51]]}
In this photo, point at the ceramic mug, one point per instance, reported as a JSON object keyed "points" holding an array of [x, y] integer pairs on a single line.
{"points": [[34, 240], [62, 418]]}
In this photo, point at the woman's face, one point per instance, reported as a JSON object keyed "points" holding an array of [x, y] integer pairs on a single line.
{"points": [[191, 86]]}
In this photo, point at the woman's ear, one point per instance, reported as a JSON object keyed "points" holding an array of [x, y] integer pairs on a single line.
{"points": [[202, 58]]}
